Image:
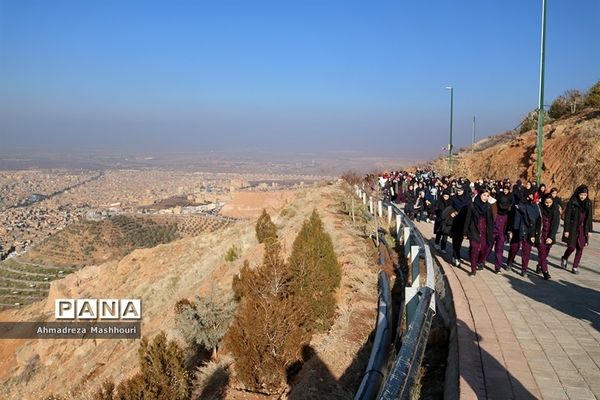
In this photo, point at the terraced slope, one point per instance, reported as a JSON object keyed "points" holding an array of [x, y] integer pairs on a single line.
{"points": [[94, 242], [27, 279], [22, 283], [195, 225]]}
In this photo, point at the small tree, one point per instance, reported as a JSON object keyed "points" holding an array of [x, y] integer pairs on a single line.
{"points": [[568, 103], [163, 369], [574, 99], [592, 99], [233, 253], [265, 228], [559, 108], [529, 122], [315, 271], [162, 376], [204, 322], [352, 178], [270, 326]]}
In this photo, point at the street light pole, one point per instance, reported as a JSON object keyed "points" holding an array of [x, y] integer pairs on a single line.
{"points": [[451, 115], [473, 136], [540, 121]]}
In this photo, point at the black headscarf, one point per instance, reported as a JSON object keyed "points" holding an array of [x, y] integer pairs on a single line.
{"points": [[547, 211], [442, 203], [458, 202], [504, 202], [480, 207], [575, 198]]}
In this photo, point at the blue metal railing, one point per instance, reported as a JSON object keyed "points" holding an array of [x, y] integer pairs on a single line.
{"points": [[375, 372], [419, 308]]}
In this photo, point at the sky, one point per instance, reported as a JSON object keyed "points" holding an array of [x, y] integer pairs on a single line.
{"points": [[282, 76]]}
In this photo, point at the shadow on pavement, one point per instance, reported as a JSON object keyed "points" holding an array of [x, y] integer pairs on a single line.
{"points": [[569, 298], [487, 377]]}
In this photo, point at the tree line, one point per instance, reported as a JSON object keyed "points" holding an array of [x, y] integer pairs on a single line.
{"points": [[570, 102]]}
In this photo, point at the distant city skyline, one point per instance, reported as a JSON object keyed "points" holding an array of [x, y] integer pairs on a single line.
{"points": [[281, 76]]}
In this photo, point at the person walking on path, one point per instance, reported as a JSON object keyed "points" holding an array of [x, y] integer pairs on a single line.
{"points": [[522, 232], [441, 234], [557, 203], [460, 204], [410, 200], [549, 226], [502, 207], [479, 229], [577, 227]]}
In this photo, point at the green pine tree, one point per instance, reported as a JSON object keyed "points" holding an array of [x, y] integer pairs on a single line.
{"points": [[315, 271]]}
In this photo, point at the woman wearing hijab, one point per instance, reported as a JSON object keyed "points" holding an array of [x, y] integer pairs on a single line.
{"points": [[522, 232], [557, 202], [503, 206], [460, 204], [549, 225], [420, 206], [540, 193], [410, 199], [439, 227], [479, 229], [518, 192], [577, 227]]}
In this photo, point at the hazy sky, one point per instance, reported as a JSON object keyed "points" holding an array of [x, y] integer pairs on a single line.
{"points": [[306, 75]]}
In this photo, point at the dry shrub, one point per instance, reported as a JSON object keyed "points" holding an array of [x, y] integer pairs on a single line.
{"points": [[105, 392], [281, 305], [352, 177], [265, 228], [162, 377], [233, 253], [270, 326], [211, 379]]}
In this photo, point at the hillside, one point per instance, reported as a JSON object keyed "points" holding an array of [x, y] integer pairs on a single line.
{"points": [[571, 156], [184, 268]]}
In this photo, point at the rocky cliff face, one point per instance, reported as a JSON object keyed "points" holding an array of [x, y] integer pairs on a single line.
{"points": [[571, 156]]}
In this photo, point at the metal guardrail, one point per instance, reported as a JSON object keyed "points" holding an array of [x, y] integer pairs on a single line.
{"points": [[376, 366], [405, 370], [419, 309]]}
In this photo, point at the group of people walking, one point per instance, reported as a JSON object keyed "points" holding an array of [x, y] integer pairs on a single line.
{"points": [[489, 213]]}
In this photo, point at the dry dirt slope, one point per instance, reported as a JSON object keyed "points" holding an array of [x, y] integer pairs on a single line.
{"points": [[31, 369], [571, 156]]}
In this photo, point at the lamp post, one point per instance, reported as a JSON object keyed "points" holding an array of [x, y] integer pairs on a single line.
{"points": [[473, 136], [540, 121], [451, 115]]}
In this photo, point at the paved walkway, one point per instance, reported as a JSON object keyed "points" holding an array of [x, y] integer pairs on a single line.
{"points": [[523, 337]]}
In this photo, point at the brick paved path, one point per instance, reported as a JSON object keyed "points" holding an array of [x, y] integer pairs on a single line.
{"points": [[523, 337]]}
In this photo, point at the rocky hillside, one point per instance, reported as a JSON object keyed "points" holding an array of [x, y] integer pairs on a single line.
{"points": [[571, 156], [160, 276]]}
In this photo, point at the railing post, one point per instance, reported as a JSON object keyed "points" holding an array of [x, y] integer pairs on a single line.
{"points": [[380, 208], [411, 301], [414, 265], [364, 198], [398, 223], [371, 205], [389, 215]]}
